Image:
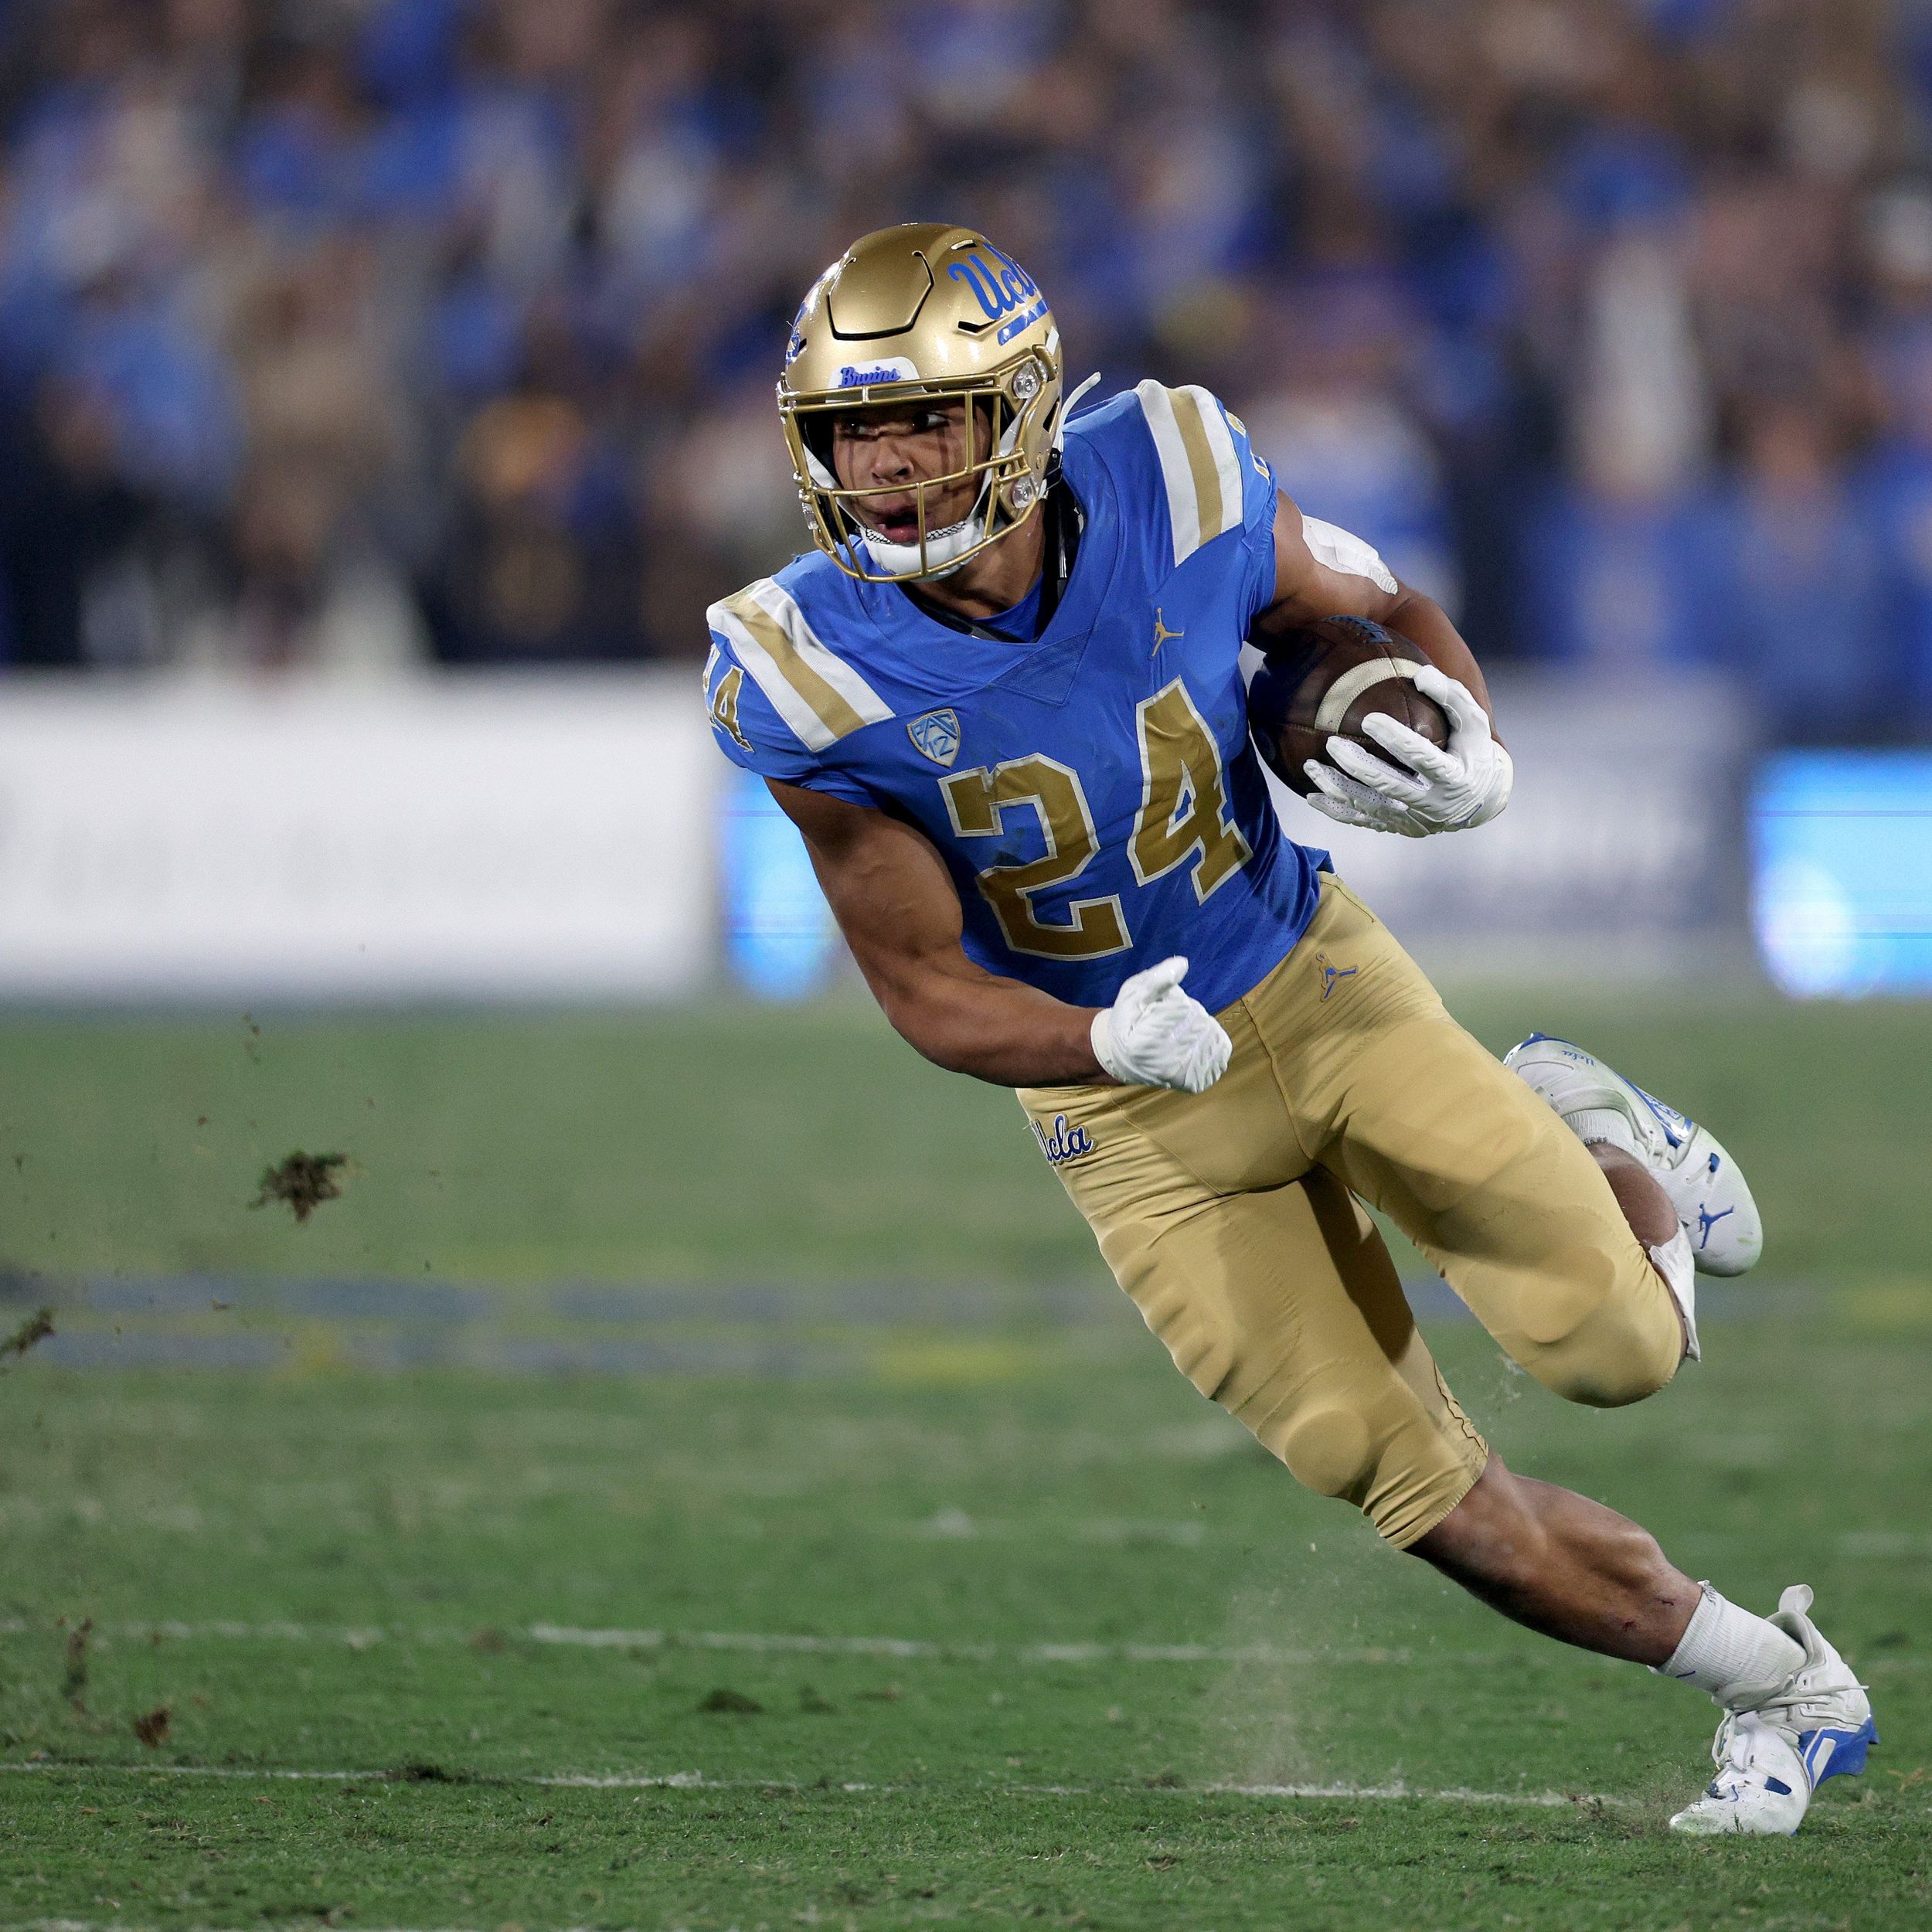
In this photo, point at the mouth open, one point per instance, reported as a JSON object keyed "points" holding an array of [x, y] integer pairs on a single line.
{"points": [[897, 523]]}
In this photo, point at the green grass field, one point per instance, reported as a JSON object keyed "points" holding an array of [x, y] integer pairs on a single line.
{"points": [[983, 1619]]}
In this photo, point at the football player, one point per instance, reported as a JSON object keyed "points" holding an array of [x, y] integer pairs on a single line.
{"points": [[1002, 701]]}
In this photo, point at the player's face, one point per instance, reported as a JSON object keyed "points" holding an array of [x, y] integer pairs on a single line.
{"points": [[894, 447]]}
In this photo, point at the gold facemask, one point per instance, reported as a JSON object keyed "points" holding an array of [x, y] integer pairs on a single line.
{"points": [[919, 313]]}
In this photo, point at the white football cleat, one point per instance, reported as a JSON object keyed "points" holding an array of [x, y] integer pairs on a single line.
{"points": [[1816, 1725], [1714, 1204]]}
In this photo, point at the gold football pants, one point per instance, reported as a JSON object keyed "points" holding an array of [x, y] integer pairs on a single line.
{"points": [[1231, 1217]]}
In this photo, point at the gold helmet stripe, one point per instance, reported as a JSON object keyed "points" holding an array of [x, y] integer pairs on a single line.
{"points": [[1200, 464], [819, 695]]}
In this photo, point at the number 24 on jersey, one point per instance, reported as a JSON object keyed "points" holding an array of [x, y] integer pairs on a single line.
{"points": [[1183, 815]]}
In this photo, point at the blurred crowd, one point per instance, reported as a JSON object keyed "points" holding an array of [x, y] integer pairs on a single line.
{"points": [[356, 335]]}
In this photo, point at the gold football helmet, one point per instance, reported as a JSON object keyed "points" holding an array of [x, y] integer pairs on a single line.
{"points": [[923, 310]]}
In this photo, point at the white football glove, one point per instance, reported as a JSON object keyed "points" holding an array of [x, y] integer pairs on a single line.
{"points": [[1154, 1035], [1465, 783], [1349, 802]]}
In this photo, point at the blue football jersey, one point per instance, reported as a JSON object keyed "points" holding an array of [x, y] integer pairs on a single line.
{"points": [[1094, 792]]}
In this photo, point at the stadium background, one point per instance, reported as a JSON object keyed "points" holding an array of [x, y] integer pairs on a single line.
{"points": [[385, 389], [345, 346]]}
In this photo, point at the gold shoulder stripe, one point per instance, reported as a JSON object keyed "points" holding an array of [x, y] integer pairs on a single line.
{"points": [[818, 694], [1191, 418], [1200, 465]]}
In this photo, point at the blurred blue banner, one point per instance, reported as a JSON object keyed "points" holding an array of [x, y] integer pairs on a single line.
{"points": [[1842, 886], [780, 939]]}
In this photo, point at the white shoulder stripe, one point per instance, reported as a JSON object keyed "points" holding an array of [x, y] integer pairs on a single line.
{"points": [[818, 694], [1200, 464]]}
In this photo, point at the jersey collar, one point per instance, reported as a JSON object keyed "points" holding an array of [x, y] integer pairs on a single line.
{"points": [[930, 655]]}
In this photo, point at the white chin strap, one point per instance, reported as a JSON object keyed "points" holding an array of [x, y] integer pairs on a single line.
{"points": [[1066, 410], [943, 552]]}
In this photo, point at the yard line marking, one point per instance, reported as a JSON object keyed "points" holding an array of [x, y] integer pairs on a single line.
{"points": [[768, 1642], [786, 1643], [1451, 1794], [121, 1925], [198, 1771], [909, 1648], [698, 1781]]}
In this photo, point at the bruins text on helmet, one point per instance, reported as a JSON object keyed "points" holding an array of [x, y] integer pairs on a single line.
{"points": [[921, 312]]}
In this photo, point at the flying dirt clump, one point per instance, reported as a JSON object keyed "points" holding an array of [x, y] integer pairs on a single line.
{"points": [[37, 1326], [305, 1181]]}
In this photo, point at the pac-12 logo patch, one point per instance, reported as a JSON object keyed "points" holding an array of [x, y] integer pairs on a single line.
{"points": [[1064, 1143], [936, 736]]}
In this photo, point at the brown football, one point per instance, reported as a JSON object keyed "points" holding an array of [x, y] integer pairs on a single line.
{"points": [[1322, 681]]}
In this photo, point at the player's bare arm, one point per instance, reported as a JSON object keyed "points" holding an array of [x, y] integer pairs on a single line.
{"points": [[1306, 589], [895, 902], [1404, 782], [897, 909]]}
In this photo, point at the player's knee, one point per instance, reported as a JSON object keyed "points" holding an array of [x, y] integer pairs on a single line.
{"points": [[1405, 1480], [1625, 1348], [1332, 1452], [1598, 1381], [1598, 1328]]}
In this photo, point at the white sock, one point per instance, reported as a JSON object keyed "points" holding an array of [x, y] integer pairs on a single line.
{"points": [[1673, 1262], [1738, 1659]]}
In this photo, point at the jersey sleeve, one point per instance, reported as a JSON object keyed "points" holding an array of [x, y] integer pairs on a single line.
{"points": [[1215, 488], [780, 704]]}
